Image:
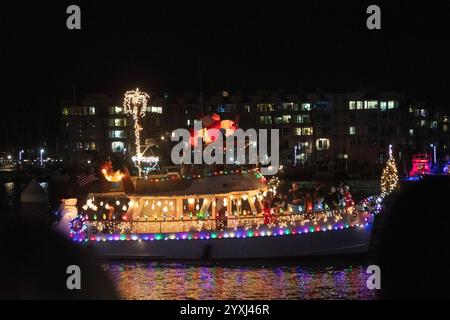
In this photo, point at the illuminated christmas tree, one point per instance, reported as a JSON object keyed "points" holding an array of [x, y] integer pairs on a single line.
{"points": [[389, 177]]}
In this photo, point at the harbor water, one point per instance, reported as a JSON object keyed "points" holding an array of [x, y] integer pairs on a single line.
{"points": [[343, 278]]}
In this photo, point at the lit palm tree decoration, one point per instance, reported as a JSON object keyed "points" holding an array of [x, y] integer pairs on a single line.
{"points": [[135, 104]]}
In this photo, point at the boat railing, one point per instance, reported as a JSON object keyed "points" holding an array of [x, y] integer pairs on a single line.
{"points": [[183, 225]]}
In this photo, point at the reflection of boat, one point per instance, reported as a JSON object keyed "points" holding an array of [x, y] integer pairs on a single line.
{"points": [[220, 216]]}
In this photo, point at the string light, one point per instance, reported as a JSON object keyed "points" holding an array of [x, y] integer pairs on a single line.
{"points": [[200, 235], [389, 177]]}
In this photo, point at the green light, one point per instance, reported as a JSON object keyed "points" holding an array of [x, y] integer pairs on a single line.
{"points": [[213, 235], [158, 237]]}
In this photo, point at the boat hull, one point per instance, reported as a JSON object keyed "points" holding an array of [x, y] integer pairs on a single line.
{"points": [[354, 240]]}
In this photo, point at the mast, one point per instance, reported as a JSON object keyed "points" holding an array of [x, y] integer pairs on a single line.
{"points": [[200, 85]]}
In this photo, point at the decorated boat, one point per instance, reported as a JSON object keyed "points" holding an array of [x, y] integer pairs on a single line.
{"points": [[220, 215], [209, 212]]}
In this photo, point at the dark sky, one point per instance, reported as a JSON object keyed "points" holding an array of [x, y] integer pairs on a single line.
{"points": [[124, 44]]}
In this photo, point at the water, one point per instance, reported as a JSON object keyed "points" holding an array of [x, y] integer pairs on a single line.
{"points": [[336, 279], [172, 281]]}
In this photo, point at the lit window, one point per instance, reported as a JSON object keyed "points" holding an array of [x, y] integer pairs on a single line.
{"points": [[304, 118], [262, 107], [445, 127], [286, 119], [247, 108], [298, 131], [306, 106], [392, 104], [117, 134], [265, 119], [423, 123], [304, 145], [359, 104], [120, 122], [434, 124], [411, 110], [117, 146], [287, 106], [307, 131], [65, 111], [445, 119], [352, 105], [322, 144], [383, 105], [116, 110], [302, 156], [91, 110], [411, 132], [423, 112], [278, 120], [153, 109], [352, 130], [370, 104]]}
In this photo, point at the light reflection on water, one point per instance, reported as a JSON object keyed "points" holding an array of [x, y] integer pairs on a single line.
{"points": [[10, 192], [146, 280]]}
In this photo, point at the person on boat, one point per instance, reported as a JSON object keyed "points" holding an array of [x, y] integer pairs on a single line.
{"points": [[294, 194], [308, 202], [348, 197], [269, 218], [277, 204], [221, 216], [318, 198], [332, 199], [341, 196]]}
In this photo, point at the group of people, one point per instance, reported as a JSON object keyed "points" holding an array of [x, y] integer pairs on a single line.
{"points": [[302, 200]]}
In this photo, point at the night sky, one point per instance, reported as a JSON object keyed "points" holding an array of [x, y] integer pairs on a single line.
{"points": [[125, 44]]}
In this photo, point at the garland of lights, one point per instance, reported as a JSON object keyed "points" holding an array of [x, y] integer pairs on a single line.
{"points": [[281, 231], [210, 174], [307, 223]]}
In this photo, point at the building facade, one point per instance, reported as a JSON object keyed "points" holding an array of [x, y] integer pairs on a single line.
{"points": [[347, 132]]}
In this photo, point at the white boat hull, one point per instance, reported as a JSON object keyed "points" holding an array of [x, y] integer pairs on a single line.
{"points": [[335, 242]]}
